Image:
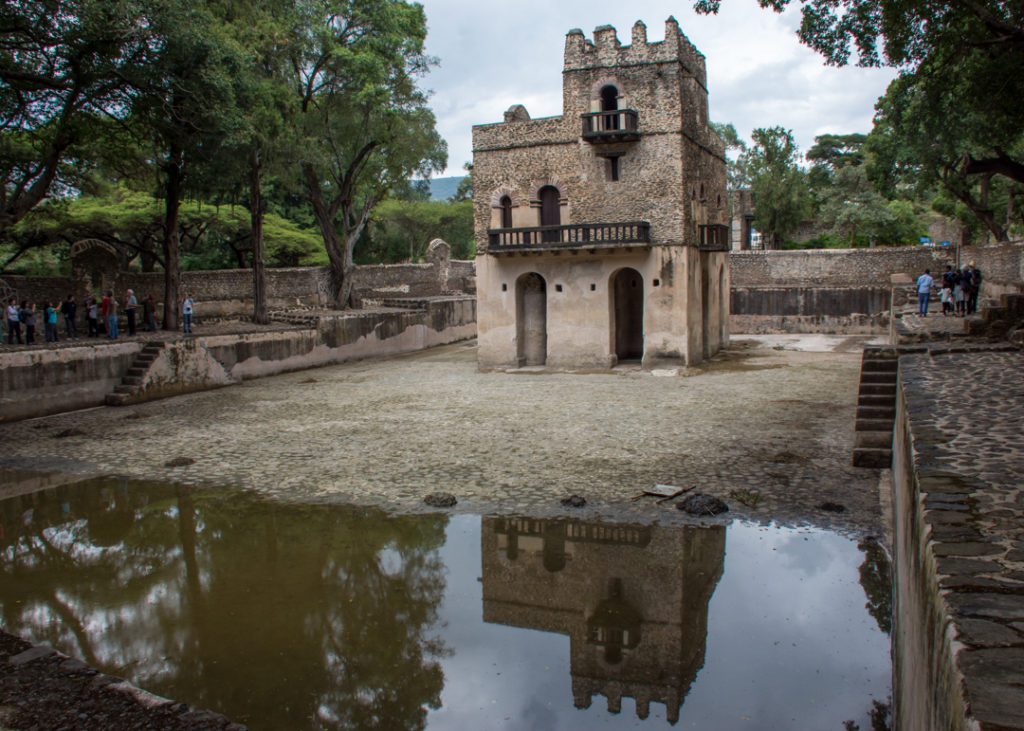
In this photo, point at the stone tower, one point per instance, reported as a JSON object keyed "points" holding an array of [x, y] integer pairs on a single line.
{"points": [[602, 234], [633, 601]]}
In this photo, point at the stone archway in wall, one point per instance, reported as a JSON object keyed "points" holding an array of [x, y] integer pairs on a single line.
{"points": [[531, 320], [627, 287], [95, 265]]}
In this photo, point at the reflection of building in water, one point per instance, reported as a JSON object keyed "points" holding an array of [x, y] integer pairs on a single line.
{"points": [[632, 599]]}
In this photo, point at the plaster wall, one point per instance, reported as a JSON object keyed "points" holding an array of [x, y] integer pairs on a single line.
{"points": [[580, 321], [47, 381]]}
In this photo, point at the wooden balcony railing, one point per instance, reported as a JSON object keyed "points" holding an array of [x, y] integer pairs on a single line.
{"points": [[616, 126], [713, 237], [577, 236]]}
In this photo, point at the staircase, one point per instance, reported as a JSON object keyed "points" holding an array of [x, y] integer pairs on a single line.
{"points": [[876, 408], [132, 379]]}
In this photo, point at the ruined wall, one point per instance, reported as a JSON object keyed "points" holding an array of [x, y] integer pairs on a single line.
{"points": [[39, 382]]}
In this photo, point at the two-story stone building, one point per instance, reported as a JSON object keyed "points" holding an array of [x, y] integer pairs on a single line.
{"points": [[602, 233]]}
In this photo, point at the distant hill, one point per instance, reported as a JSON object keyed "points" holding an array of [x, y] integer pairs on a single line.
{"points": [[444, 188]]}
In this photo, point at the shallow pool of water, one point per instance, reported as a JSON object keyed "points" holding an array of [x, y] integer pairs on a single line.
{"points": [[302, 616]]}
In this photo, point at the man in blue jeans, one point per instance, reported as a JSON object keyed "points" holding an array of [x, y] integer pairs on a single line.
{"points": [[924, 291]]}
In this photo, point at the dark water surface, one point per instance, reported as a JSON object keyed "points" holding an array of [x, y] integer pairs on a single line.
{"points": [[297, 616]]}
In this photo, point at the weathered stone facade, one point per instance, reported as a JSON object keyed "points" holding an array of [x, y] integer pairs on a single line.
{"points": [[602, 234]]}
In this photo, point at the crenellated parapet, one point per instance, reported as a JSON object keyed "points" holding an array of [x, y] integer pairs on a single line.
{"points": [[605, 50]]}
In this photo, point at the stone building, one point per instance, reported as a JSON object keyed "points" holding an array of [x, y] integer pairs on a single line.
{"points": [[602, 234], [633, 601]]}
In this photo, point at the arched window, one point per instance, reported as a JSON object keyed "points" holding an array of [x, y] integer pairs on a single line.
{"points": [[506, 211]]}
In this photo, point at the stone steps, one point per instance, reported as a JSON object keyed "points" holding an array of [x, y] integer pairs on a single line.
{"points": [[135, 374], [876, 408]]}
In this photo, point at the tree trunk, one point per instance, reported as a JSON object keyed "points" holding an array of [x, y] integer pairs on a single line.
{"points": [[259, 275], [337, 275], [172, 262]]}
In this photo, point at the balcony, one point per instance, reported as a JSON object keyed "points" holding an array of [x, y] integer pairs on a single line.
{"points": [[619, 125], [581, 236], [713, 237]]}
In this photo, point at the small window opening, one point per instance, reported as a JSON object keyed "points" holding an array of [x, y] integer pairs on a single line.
{"points": [[657, 282], [558, 287], [593, 287], [504, 288], [613, 169]]}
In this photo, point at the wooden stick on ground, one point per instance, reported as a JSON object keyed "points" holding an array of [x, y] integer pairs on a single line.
{"points": [[674, 495]]}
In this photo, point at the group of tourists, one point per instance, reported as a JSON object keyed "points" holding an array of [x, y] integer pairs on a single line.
{"points": [[959, 290], [101, 316]]}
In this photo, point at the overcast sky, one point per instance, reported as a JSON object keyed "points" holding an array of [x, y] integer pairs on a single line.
{"points": [[496, 54]]}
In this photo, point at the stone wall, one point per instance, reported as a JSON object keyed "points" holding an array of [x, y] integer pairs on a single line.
{"points": [[958, 616], [40, 382], [227, 293], [1002, 265], [847, 290]]}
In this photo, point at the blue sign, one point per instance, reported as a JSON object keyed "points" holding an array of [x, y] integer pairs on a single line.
{"points": [[926, 239]]}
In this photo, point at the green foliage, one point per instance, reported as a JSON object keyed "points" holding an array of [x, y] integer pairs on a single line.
{"points": [[781, 195], [465, 190], [403, 229], [852, 209], [63, 67], [212, 237], [954, 116], [821, 241], [735, 148], [364, 126]]}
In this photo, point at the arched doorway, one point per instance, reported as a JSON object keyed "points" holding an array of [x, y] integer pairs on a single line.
{"points": [[609, 103], [628, 314], [609, 98], [550, 215], [531, 320], [506, 211]]}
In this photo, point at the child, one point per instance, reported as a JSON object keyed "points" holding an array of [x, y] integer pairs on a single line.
{"points": [[947, 299]]}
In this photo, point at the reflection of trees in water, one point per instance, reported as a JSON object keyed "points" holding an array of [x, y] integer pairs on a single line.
{"points": [[233, 603], [876, 579]]}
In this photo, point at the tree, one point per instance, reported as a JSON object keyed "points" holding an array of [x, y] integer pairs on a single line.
{"points": [[132, 221], [779, 185], [185, 107], [366, 125], [403, 229], [464, 191], [852, 208], [964, 58], [62, 66], [909, 148], [735, 147]]}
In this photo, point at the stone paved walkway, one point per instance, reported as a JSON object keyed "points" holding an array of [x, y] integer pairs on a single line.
{"points": [[765, 427], [965, 415]]}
